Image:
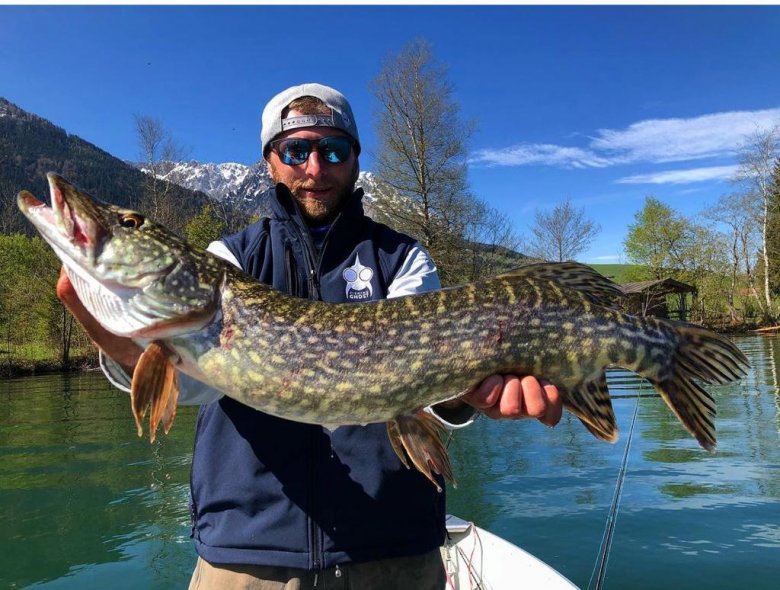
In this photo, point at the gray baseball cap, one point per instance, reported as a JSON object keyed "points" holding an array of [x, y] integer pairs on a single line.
{"points": [[340, 117]]}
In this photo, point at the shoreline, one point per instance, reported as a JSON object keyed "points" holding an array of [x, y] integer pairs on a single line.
{"points": [[26, 368]]}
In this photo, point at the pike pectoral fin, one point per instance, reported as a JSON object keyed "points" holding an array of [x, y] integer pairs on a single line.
{"points": [[590, 402], [155, 384], [418, 438]]}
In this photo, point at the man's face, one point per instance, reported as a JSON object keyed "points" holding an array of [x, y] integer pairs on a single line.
{"points": [[318, 186]]}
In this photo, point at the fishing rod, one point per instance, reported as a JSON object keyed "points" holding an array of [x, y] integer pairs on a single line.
{"points": [[600, 568]]}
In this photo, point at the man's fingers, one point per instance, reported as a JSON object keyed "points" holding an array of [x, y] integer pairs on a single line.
{"points": [[554, 409], [510, 396], [534, 396], [487, 394], [509, 402]]}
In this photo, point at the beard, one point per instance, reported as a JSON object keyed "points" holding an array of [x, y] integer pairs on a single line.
{"points": [[318, 211]]}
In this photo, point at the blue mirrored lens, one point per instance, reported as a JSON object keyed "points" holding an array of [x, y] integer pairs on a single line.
{"points": [[335, 149], [295, 151]]}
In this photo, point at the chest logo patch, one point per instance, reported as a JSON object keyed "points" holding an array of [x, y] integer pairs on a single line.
{"points": [[358, 278]]}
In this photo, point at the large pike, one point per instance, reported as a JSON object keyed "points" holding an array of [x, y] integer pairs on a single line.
{"points": [[342, 364]]}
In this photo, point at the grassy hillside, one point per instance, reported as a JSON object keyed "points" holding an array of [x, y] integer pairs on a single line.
{"points": [[616, 272]]}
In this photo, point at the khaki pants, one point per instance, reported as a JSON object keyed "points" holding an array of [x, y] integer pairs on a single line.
{"points": [[418, 572]]}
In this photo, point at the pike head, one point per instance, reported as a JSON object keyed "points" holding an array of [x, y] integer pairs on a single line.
{"points": [[136, 277]]}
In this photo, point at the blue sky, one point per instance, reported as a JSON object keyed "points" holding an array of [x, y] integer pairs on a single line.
{"points": [[603, 105]]}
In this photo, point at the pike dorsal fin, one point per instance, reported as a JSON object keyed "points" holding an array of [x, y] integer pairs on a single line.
{"points": [[572, 275]]}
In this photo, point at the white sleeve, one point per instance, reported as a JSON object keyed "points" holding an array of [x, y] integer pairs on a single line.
{"points": [[417, 275], [191, 391]]}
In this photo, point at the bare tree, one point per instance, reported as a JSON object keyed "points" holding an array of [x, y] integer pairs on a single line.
{"points": [[562, 234], [493, 243], [735, 211], [158, 152], [756, 162], [421, 159]]}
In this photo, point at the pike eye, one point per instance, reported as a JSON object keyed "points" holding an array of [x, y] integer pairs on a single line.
{"points": [[131, 220]]}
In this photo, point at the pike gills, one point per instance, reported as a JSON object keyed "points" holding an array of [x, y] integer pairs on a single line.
{"points": [[383, 361]]}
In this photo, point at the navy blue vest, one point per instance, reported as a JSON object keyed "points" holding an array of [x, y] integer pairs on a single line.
{"points": [[270, 491]]}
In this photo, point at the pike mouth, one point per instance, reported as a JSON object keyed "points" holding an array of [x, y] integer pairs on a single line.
{"points": [[65, 225]]}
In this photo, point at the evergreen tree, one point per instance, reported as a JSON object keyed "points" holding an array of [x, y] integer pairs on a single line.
{"points": [[204, 228]]}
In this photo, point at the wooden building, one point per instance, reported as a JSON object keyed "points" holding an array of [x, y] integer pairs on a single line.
{"points": [[652, 298]]}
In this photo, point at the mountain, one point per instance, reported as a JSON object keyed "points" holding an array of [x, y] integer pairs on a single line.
{"points": [[31, 146], [221, 181], [243, 186], [231, 180]]}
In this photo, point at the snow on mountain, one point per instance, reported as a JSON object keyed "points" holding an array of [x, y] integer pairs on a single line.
{"points": [[222, 181], [235, 181]]}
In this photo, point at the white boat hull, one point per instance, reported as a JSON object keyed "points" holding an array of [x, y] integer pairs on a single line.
{"points": [[477, 559]]}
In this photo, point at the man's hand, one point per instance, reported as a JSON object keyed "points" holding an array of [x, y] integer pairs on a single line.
{"points": [[510, 396], [122, 350]]}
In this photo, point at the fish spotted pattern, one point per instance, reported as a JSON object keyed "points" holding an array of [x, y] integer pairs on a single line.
{"points": [[382, 361]]}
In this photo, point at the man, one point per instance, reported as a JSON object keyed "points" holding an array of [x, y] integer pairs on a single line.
{"points": [[281, 504]]}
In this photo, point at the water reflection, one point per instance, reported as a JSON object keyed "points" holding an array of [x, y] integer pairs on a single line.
{"points": [[78, 487], [569, 478], [85, 504]]}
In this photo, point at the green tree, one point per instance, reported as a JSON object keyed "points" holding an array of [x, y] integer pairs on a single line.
{"points": [[205, 227], [658, 240], [705, 265], [773, 229], [30, 313]]}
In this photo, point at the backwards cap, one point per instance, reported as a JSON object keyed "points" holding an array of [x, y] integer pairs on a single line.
{"points": [[340, 113]]}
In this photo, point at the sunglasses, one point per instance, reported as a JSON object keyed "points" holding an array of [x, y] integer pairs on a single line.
{"points": [[296, 150]]}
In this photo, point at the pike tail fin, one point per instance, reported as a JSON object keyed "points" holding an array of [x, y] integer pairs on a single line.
{"points": [[418, 438], [709, 357], [155, 384]]}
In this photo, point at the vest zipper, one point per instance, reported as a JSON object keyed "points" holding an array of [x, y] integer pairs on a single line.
{"points": [[316, 269], [314, 258], [291, 270], [315, 531]]}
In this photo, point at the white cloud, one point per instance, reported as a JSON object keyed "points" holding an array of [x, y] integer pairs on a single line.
{"points": [[652, 141], [682, 176], [671, 140], [540, 154]]}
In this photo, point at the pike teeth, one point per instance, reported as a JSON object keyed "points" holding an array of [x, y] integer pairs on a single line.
{"points": [[63, 214]]}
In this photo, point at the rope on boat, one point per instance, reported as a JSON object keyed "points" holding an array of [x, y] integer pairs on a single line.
{"points": [[600, 568], [475, 577]]}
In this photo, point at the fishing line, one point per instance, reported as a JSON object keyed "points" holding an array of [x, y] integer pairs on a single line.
{"points": [[600, 568]]}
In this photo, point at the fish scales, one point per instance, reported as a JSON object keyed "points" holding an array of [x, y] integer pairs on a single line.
{"points": [[382, 361]]}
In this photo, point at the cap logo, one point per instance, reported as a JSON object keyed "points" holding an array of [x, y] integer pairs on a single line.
{"points": [[308, 121]]}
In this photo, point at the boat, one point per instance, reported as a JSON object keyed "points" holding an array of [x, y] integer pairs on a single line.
{"points": [[476, 559]]}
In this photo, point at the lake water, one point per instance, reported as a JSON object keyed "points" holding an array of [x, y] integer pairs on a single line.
{"points": [[86, 504]]}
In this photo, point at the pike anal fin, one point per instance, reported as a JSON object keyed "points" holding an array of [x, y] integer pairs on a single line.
{"points": [[418, 437], [590, 402], [156, 384]]}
